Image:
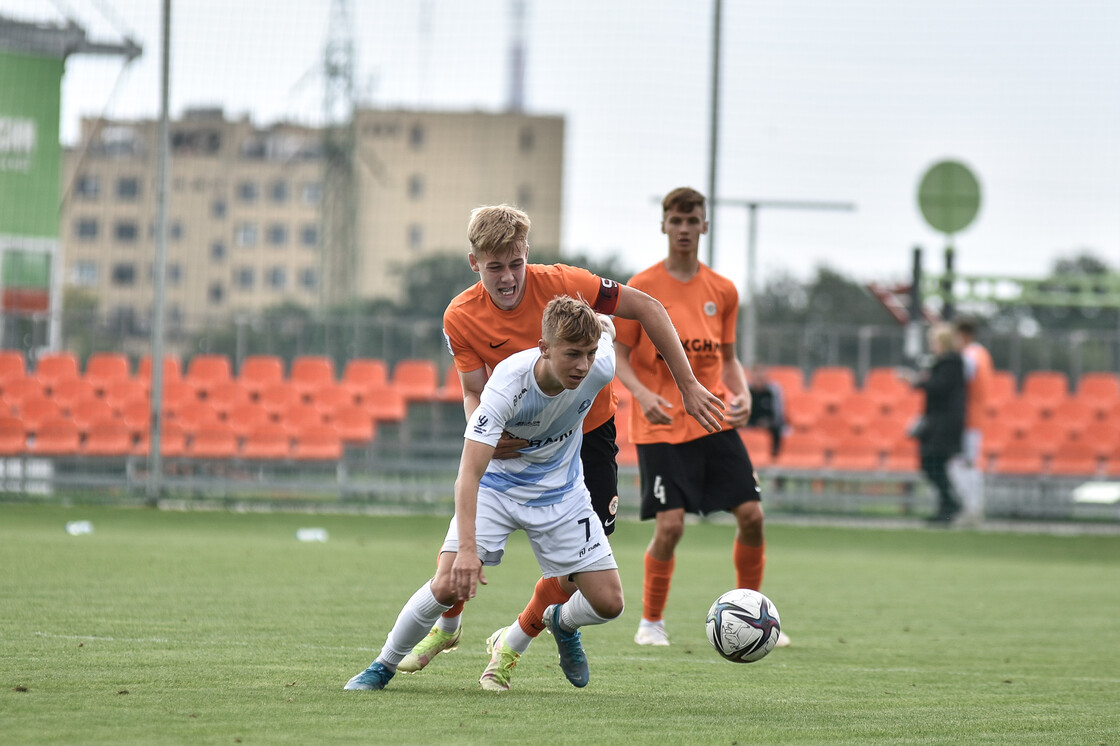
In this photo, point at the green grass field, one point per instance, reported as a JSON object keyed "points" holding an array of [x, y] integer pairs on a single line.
{"points": [[216, 627]]}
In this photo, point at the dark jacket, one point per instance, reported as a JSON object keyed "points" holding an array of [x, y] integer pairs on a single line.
{"points": [[943, 423]]}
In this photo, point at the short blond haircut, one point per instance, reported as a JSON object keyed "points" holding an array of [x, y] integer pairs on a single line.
{"points": [[943, 335], [570, 320], [497, 229]]}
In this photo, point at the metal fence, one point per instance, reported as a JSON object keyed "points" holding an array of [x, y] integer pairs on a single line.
{"points": [[392, 339]]}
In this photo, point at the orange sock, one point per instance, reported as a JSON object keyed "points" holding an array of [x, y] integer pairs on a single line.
{"points": [[547, 592], [455, 610], [749, 562], [655, 587]]}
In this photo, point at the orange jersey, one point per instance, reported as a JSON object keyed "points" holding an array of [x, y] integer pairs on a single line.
{"points": [[979, 371], [704, 311], [478, 333]]}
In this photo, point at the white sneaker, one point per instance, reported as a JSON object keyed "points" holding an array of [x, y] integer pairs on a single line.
{"points": [[652, 634], [783, 640]]}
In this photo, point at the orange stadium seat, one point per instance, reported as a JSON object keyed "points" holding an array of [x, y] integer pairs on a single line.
{"points": [[452, 389], [1099, 391], [856, 454], [365, 374], [903, 456], [176, 394], [245, 417], [108, 437], [1044, 386], [88, 411], [172, 441], [13, 436], [1074, 457], [1018, 413], [298, 416], [354, 425], [57, 436], [833, 382], [859, 409], [36, 410], [834, 427], [804, 409], [885, 386], [196, 416], [803, 450], [1001, 389], [276, 397], [69, 391], [12, 363], [269, 441], [119, 394], [207, 371], [416, 380], [385, 405], [224, 397], [310, 372], [54, 367], [214, 440], [15, 389], [789, 377], [317, 443], [757, 442], [1019, 457], [172, 371], [330, 398], [105, 368], [259, 371]]}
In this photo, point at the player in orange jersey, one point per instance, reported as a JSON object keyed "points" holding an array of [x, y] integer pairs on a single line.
{"points": [[685, 468], [501, 315]]}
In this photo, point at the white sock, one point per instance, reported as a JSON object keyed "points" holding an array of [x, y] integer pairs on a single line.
{"points": [[448, 624], [414, 621], [517, 639], [647, 623], [577, 612]]}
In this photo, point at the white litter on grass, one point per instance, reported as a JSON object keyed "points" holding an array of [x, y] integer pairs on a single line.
{"points": [[78, 528], [311, 534], [1097, 493]]}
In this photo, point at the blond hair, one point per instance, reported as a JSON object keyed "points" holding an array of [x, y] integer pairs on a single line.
{"points": [[942, 334], [570, 320], [497, 229]]}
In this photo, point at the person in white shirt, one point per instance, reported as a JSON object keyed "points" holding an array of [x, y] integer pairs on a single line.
{"points": [[540, 395]]}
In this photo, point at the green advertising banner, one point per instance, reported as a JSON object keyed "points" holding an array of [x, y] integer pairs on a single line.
{"points": [[30, 154]]}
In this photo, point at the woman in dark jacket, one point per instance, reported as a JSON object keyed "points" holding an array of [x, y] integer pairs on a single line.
{"points": [[942, 426]]}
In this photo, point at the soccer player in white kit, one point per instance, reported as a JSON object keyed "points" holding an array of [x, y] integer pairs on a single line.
{"points": [[541, 395]]}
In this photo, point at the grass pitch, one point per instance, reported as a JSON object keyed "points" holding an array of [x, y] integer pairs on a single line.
{"points": [[221, 628]]}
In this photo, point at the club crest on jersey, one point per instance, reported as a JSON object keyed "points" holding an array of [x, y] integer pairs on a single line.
{"points": [[584, 405], [710, 308], [480, 424]]}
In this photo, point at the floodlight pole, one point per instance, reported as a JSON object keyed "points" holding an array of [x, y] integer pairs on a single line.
{"points": [[155, 423], [749, 345], [713, 124]]}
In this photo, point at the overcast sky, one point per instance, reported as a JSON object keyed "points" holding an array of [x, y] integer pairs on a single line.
{"points": [[822, 100]]}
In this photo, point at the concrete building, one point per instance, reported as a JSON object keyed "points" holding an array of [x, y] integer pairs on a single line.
{"points": [[246, 206]]}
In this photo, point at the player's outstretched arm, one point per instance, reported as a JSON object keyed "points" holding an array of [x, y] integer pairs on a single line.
{"points": [[654, 407], [700, 403], [466, 572]]}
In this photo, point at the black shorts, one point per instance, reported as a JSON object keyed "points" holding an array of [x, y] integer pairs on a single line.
{"points": [[705, 475], [600, 472]]}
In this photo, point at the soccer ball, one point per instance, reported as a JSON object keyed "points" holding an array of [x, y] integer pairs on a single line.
{"points": [[743, 625]]}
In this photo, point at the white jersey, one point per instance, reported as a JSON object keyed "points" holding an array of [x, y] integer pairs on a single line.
{"points": [[549, 468]]}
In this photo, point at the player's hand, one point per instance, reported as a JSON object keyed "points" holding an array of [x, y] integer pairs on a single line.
{"points": [[509, 446], [654, 408], [466, 574], [704, 406], [739, 413]]}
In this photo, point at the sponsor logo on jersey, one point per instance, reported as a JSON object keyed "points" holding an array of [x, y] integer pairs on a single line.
{"points": [[700, 345], [584, 405], [518, 395], [527, 423], [480, 424], [538, 443]]}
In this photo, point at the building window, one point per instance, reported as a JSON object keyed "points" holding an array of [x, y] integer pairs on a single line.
{"points": [[309, 235], [525, 197], [416, 237], [128, 189], [218, 209], [247, 191], [416, 186], [526, 139], [83, 274], [217, 252], [277, 235], [85, 229], [174, 274], [277, 278], [215, 294], [278, 192], [245, 234], [125, 231], [309, 279], [416, 136], [311, 193], [87, 187], [124, 274], [244, 277]]}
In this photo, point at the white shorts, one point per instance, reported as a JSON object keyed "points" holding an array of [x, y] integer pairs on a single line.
{"points": [[566, 537]]}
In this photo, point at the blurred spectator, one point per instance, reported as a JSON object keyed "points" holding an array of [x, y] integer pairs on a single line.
{"points": [[768, 406], [966, 470], [941, 427]]}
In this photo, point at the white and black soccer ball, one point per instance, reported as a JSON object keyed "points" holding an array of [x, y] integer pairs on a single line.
{"points": [[743, 625]]}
